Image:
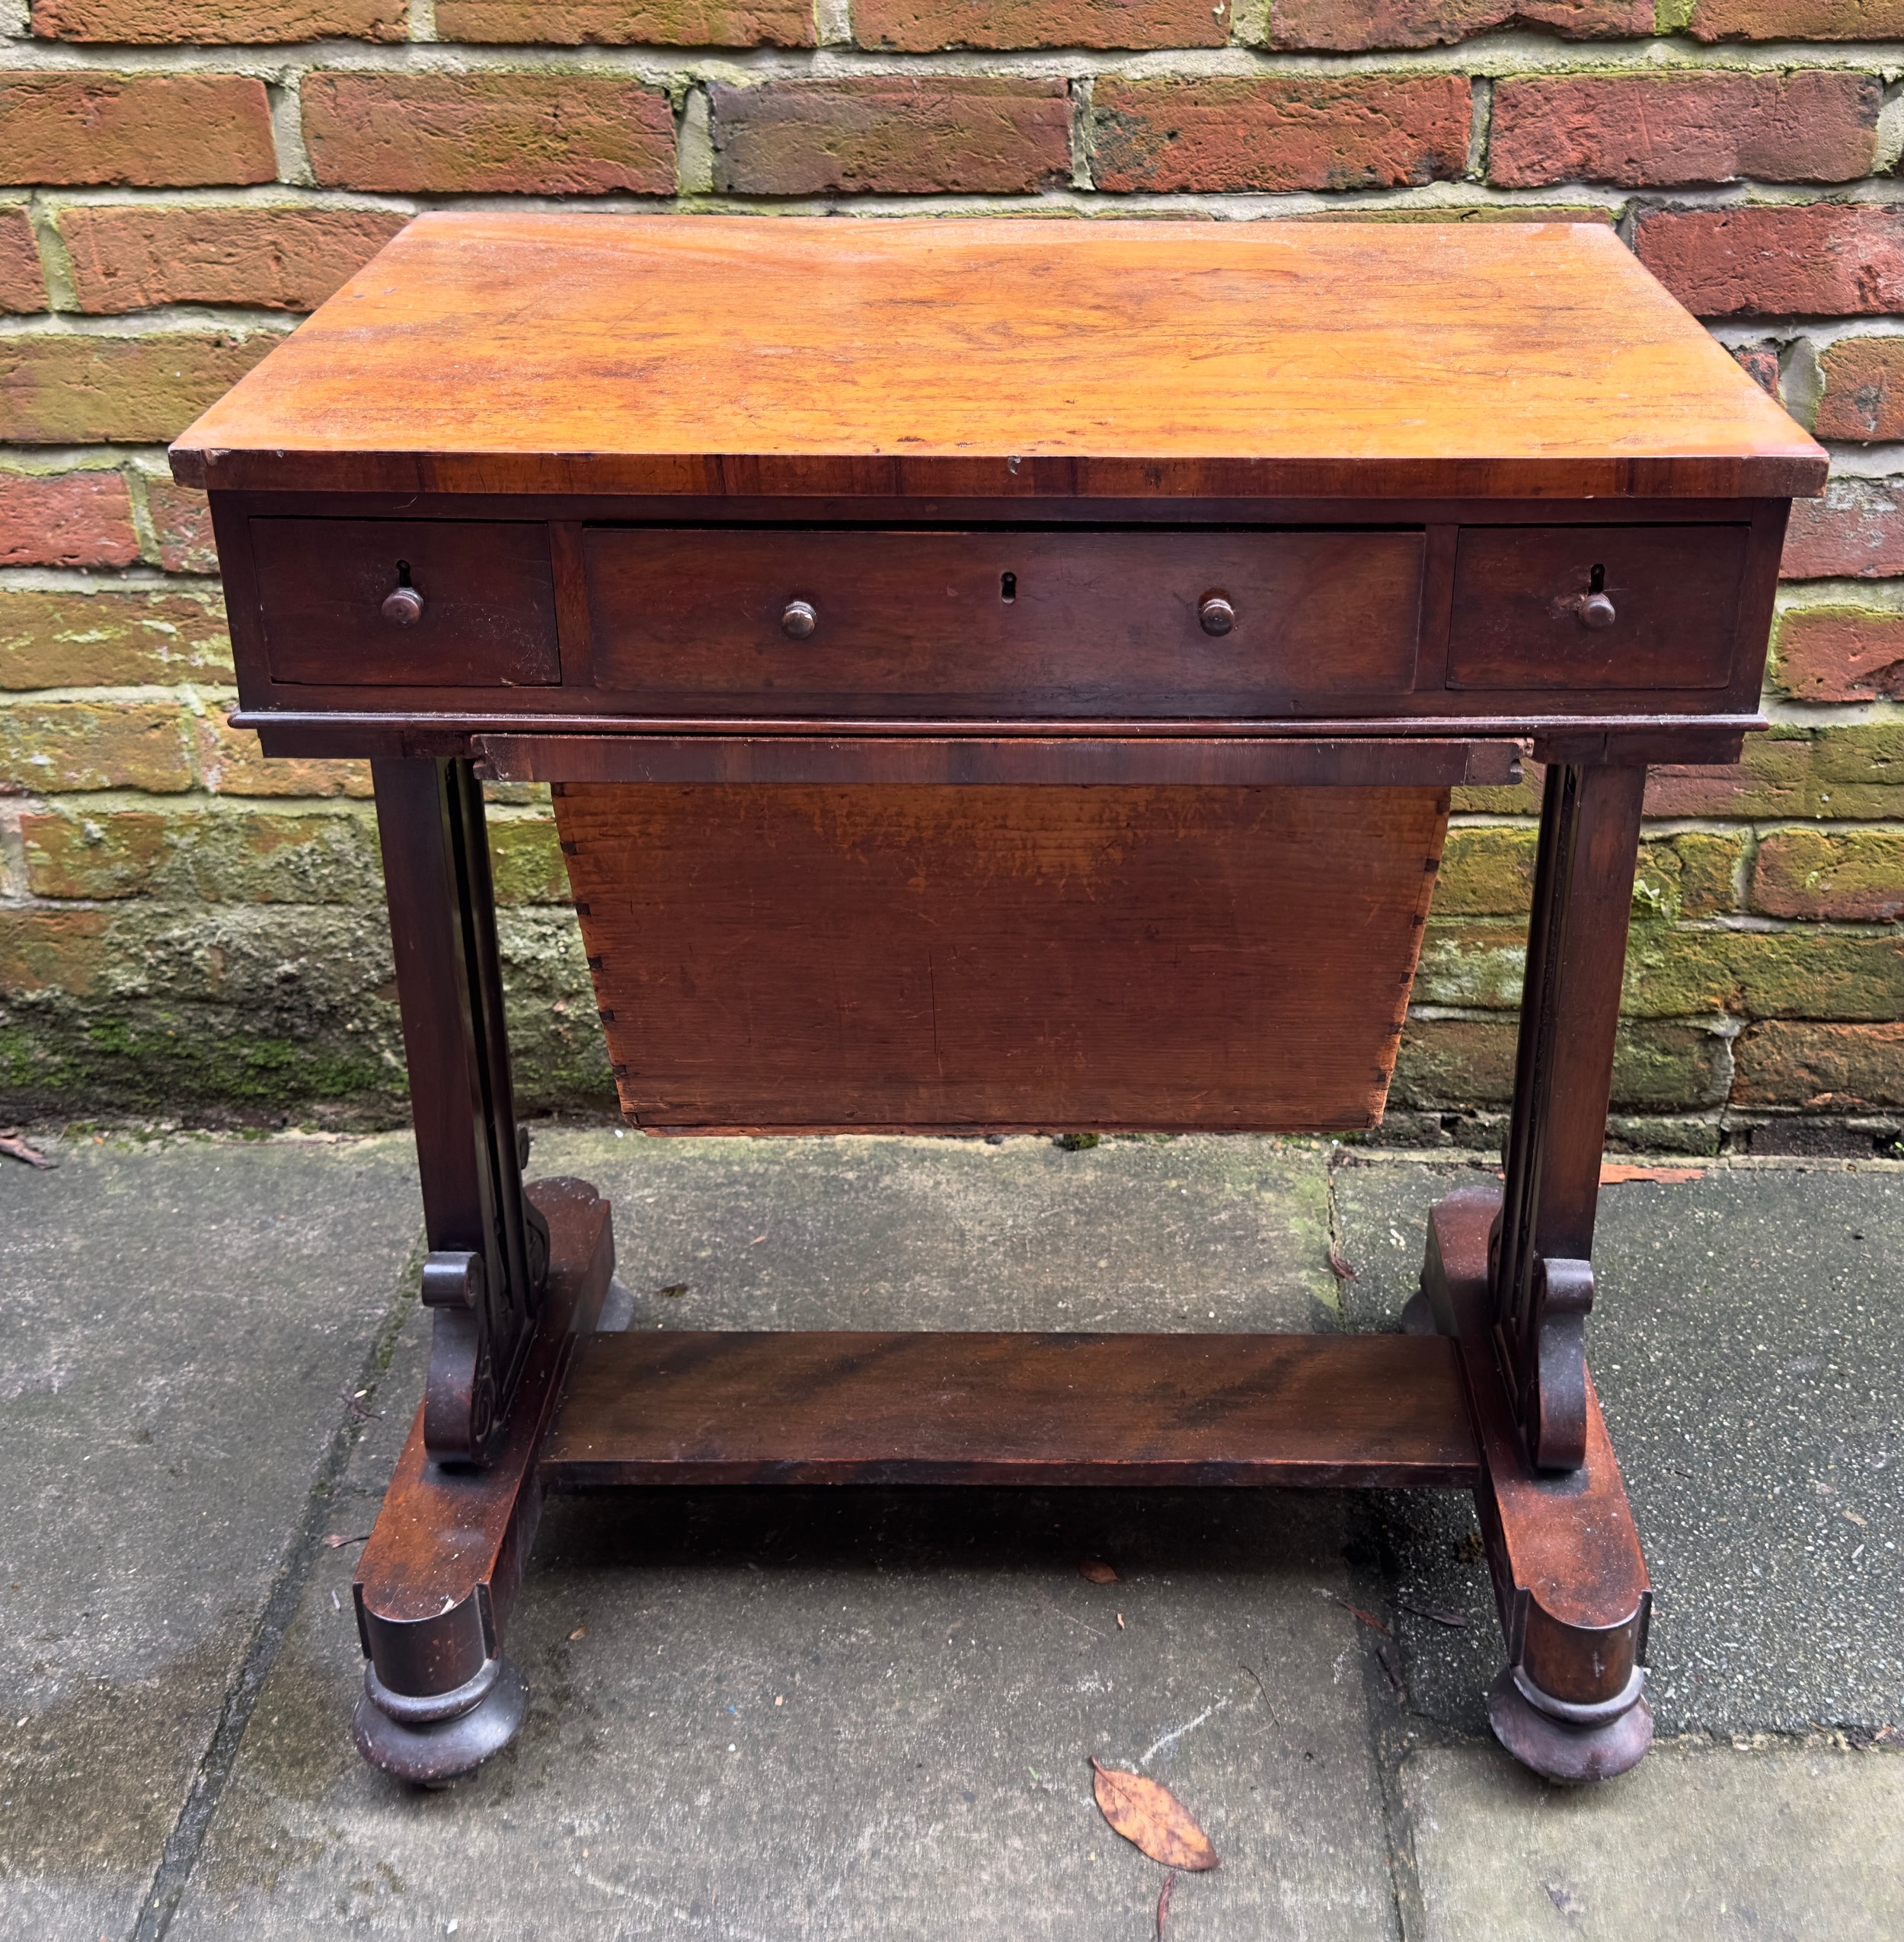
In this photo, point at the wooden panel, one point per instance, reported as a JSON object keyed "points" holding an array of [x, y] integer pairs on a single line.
{"points": [[754, 1408], [926, 958], [499, 351], [487, 595], [1019, 623], [1521, 593], [975, 760]]}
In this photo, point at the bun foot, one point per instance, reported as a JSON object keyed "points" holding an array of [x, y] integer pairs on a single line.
{"points": [[1570, 1744], [426, 1741]]}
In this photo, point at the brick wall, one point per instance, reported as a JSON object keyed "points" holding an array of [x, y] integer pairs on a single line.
{"points": [[191, 932]]}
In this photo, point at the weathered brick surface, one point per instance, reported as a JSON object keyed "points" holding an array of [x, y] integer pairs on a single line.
{"points": [[229, 762], [112, 637], [1864, 389], [1800, 260], [1856, 531], [1856, 770], [231, 23], [235, 854], [1354, 25], [920, 26], [149, 130], [1237, 133], [138, 256], [135, 389], [1797, 20], [892, 135], [182, 518], [1831, 1068], [66, 519], [1845, 875], [1816, 125], [491, 133], [1840, 654], [23, 285], [1470, 1062], [50, 748], [651, 22]]}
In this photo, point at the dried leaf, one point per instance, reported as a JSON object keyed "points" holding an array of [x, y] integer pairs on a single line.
{"points": [[1151, 1818], [580, 1632], [1367, 1617], [1385, 1654], [675, 1287], [1616, 1173], [1163, 1903], [1097, 1571], [17, 1148], [1339, 1266], [337, 1540], [1457, 1621]]}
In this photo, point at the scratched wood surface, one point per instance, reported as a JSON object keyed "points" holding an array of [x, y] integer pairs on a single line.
{"points": [[750, 1407], [506, 352], [900, 958]]}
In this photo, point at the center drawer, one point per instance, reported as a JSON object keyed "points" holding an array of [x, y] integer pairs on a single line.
{"points": [[1192, 623]]}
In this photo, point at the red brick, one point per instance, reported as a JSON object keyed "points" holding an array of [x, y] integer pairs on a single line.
{"points": [[1813, 125], [892, 134], [1863, 395], [136, 391], [1827, 875], [1760, 363], [1840, 654], [23, 287], [1797, 20], [1352, 25], [1279, 133], [212, 23], [917, 26], [1856, 531], [66, 519], [609, 23], [1798, 260], [182, 518], [489, 134], [149, 130], [274, 259], [1828, 1068]]}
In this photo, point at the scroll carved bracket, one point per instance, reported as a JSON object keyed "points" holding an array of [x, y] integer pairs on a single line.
{"points": [[1553, 1407]]}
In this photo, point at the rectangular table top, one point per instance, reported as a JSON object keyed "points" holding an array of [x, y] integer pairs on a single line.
{"points": [[549, 354]]}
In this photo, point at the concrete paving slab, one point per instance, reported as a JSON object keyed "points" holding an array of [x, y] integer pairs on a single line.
{"points": [[762, 1713], [1749, 1347], [1198, 1233], [177, 1324], [1788, 1845]]}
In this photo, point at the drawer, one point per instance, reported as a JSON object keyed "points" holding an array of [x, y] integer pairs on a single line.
{"points": [[1039, 623], [1611, 608], [483, 615]]}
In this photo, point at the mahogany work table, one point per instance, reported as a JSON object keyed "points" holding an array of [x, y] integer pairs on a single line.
{"points": [[999, 676]]}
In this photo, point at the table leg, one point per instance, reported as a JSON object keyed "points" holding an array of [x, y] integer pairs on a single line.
{"points": [[1509, 1274], [488, 1249]]}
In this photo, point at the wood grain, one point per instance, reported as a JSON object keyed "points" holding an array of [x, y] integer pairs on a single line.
{"points": [[507, 352], [1011, 623], [672, 1407], [922, 958]]}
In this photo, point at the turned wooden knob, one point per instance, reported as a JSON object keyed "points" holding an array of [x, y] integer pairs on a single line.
{"points": [[1217, 614], [404, 605], [1596, 612], [799, 620]]}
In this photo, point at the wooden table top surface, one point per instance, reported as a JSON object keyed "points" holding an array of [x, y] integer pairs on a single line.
{"points": [[506, 353]]}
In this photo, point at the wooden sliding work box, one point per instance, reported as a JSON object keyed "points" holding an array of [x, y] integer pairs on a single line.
{"points": [[1000, 676]]}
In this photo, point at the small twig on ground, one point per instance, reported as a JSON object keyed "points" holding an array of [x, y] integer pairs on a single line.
{"points": [[1367, 1618], [355, 1405], [1457, 1621], [17, 1148], [1163, 1903]]}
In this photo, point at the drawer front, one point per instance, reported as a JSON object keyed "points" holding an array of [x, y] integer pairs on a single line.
{"points": [[1036, 622], [1543, 608], [483, 615]]}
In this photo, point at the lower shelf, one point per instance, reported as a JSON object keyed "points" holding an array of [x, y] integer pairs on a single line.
{"points": [[669, 1407]]}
